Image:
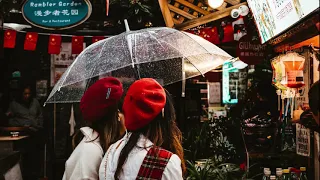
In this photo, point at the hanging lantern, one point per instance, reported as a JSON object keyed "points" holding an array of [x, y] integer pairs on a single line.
{"points": [[293, 64]]}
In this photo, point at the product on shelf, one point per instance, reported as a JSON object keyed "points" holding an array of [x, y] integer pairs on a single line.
{"points": [[286, 175], [303, 174], [267, 174]]}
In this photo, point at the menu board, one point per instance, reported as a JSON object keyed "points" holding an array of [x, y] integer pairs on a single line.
{"points": [[275, 16]]}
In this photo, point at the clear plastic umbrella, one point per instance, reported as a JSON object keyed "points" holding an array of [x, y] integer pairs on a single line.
{"points": [[161, 53]]}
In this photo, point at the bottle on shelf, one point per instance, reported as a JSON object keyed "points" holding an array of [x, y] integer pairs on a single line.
{"points": [[272, 177], [286, 175], [279, 169], [279, 174], [303, 174], [293, 174], [267, 174]]}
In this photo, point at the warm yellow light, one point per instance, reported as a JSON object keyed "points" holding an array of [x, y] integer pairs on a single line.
{"points": [[215, 3]]}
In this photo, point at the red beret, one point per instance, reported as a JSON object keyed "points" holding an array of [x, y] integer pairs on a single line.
{"points": [[99, 97], [145, 99]]}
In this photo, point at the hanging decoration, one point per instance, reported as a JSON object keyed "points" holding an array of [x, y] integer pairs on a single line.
{"points": [[77, 44], [97, 38], [227, 32], [9, 39], [210, 34], [30, 42], [54, 43], [54, 46], [239, 28], [294, 65]]}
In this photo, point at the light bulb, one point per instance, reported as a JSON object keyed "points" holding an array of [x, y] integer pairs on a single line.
{"points": [[215, 3]]}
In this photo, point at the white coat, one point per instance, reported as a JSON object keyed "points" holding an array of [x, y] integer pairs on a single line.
{"points": [[84, 162]]}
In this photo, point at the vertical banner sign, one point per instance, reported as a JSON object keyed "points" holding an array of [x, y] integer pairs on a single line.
{"points": [[229, 83], [302, 140], [56, 14]]}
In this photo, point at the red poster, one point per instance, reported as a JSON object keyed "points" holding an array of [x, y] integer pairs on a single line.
{"points": [[227, 33]]}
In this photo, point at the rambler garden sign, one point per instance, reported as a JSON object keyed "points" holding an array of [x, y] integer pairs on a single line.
{"points": [[56, 14]]}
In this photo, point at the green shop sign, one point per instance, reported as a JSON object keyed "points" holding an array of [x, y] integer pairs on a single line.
{"points": [[56, 14]]}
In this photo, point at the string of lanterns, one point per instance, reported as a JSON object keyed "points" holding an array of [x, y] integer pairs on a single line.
{"points": [[54, 43]]}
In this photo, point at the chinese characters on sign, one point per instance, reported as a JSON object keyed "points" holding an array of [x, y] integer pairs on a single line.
{"points": [[65, 12], [249, 51], [273, 17], [303, 140], [56, 14]]}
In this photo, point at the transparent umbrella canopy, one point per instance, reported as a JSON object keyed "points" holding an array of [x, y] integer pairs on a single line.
{"points": [[161, 53]]}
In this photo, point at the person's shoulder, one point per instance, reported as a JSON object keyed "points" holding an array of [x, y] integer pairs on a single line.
{"points": [[173, 169], [175, 160], [35, 100], [90, 148]]}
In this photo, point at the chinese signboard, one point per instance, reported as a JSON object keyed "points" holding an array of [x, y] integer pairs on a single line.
{"points": [[275, 16], [234, 83], [302, 140], [56, 14], [229, 84], [249, 51], [60, 62]]}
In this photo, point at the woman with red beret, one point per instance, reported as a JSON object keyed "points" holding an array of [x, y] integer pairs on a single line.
{"points": [[99, 106], [152, 149]]}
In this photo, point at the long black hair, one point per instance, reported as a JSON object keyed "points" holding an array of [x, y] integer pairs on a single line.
{"points": [[108, 128], [162, 132]]}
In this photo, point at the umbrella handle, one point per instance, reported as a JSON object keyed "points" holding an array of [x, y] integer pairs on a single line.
{"points": [[126, 25]]}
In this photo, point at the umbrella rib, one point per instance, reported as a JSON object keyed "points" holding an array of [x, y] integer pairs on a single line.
{"points": [[195, 67], [155, 38], [185, 58]]}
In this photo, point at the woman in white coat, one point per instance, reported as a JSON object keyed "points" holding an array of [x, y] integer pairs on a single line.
{"points": [[152, 149], [99, 106]]}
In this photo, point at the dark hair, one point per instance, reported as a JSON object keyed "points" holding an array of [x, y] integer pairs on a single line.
{"points": [[314, 98], [18, 96], [107, 127], [162, 132]]}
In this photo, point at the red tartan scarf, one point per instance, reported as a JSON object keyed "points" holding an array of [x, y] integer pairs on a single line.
{"points": [[154, 164]]}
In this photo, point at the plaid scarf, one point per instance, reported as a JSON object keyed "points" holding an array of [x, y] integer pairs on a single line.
{"points": [[154, 164]]}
